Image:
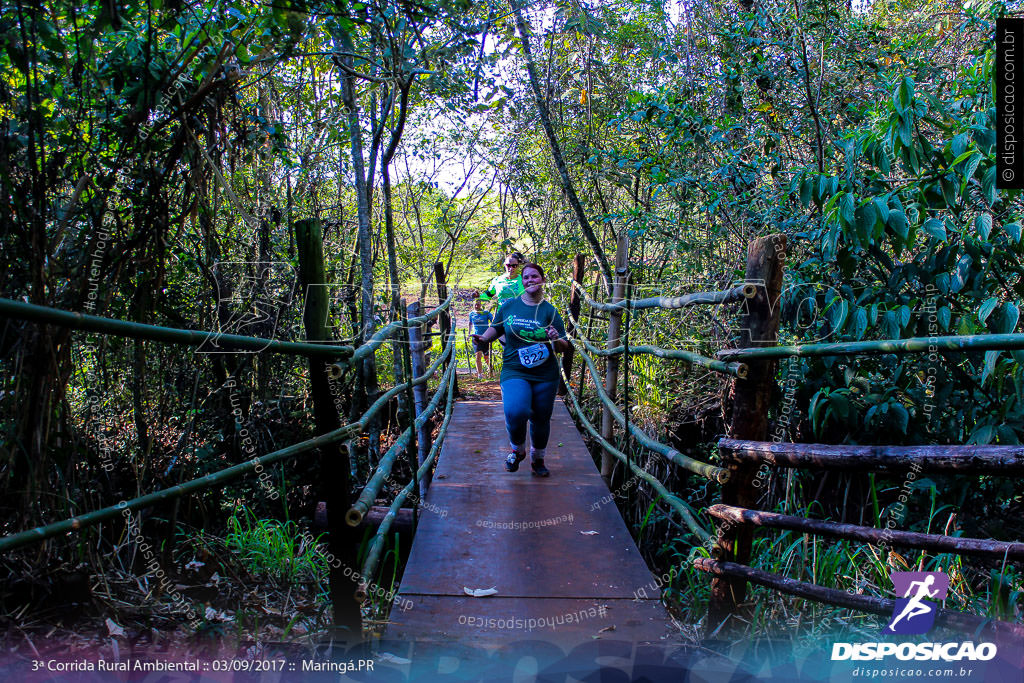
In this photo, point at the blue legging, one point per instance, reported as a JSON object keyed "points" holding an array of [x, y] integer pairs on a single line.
{"points": [[528, 400]]}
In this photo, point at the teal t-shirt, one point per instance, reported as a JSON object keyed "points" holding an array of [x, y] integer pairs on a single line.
{"points": [[527, 354], [480, 320]]}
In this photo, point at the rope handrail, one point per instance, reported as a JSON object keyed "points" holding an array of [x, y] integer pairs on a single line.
{"points": [[387, 461], [10, 308], [738, 293], [718, 474], [214, 478], [736, 369], [377, 543], [947, 344], [673, 501]]}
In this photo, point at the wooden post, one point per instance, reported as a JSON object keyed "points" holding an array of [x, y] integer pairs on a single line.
{"points": [[579, 263], [335, 482], [751, 398], [419, 366], [612, 366], [445, 318]]}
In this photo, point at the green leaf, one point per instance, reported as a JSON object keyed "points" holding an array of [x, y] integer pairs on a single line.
{"points": [[982, 435], [882, 209], [935, 228], [971, 166], [945, 317], [900, 416], [986, 309], [959, 146], [860, 323], [837, 314], [904, 313], [846, 208], [898, 222], [1007, 322], [991, 358], [988, 185], [983, 225], [1013, 231]]}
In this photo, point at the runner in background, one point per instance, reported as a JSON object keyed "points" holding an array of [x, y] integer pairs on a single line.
{"points": [[479, 321]]}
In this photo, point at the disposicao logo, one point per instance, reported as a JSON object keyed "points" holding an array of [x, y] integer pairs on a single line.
{"points": [[913, 614]]}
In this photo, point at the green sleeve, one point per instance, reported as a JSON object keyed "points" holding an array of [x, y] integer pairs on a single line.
{"points": [[489, 293]]}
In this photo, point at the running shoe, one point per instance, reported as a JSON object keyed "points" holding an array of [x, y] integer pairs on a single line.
{"points": [[512, 461], [538, 468]]}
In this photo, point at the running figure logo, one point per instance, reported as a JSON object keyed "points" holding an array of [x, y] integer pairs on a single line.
{"points": [[912, 614]]}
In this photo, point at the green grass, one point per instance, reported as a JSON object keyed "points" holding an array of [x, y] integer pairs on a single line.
{"points": [[273, 548]]}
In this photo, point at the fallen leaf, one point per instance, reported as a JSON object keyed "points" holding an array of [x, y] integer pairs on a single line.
{"points": [[194, 565], [589, 533], [480, 592], [560, 444], [607, 628], [113, 629], [478, 451]]}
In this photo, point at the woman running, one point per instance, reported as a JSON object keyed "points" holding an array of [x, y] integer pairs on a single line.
{"points": [[534, 333]]}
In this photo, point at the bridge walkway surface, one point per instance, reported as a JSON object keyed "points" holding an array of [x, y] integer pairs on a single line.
{"points": [[567, 573]]}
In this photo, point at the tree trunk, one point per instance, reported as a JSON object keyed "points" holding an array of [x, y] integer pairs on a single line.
{"points": [[334, 480], [556, 150]]}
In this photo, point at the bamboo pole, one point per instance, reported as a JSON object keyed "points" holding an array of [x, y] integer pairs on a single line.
{"points": [[209, 481], [905, 539], [377, 543], [718, 474], [735, 369], [671, 499], [738, 293], [168, 335], [387, 461], [1003, 460], [949, 344], [966, 623]]}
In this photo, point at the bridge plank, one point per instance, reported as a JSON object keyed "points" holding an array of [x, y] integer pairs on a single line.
{"points": [[483, 527]]}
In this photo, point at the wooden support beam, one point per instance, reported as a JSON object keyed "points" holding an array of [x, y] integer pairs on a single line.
{"points": [[966, 623], [441, 281], [611, 381], [904, 539], [751, 397], [578, 270], [335, 470], [999, 460]]}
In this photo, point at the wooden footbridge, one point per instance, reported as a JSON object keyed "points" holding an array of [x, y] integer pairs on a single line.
{"points": [[502, 558], [561, 561]]}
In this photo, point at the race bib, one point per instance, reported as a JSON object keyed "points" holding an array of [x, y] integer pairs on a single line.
{"points": [[534, 354]]}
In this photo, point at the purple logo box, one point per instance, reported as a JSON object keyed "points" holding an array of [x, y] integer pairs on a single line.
{"points": [[916, 597]]}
